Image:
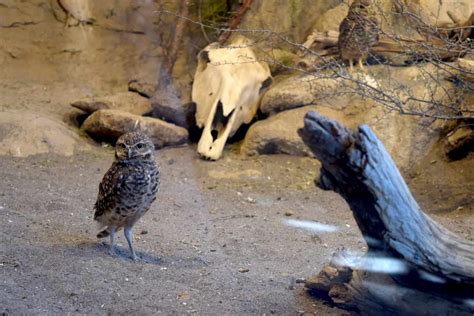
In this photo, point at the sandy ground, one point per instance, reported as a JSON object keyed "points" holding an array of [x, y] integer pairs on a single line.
{"points": [[212, 221]]}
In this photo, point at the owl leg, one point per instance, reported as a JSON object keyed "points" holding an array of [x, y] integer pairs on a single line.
{"points": [[361, 65], [112, 240], [128, 235]]}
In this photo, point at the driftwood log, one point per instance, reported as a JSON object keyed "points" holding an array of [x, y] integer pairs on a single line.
{"points": [[434, 268]]}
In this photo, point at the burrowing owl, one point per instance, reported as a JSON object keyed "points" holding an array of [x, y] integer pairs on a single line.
{"points": [[358, 32], [128, 187]]}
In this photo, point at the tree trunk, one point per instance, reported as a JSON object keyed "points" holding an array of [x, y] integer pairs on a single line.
{"points": [[434, 268]]}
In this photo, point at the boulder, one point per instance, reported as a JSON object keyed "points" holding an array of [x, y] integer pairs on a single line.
{"points": [[290, 92], [459, 143], [167, 106], [332, 18], [448, 13], [24, 133], [126, 101], [404, 137], [183, 115], [108, 125], [292, 18], [278, 134], [405, 84]]}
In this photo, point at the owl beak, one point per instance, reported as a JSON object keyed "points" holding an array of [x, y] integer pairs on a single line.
{"points": [[129, 154]]}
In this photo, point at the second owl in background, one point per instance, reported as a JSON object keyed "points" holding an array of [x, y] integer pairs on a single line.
{"points": [[358, 32]]}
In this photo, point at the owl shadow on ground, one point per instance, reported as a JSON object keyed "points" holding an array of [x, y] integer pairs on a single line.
{"points": [[99, 249], [123, 253]]}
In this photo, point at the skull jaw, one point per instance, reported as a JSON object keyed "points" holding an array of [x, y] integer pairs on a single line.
{"points": [[211, 147]]}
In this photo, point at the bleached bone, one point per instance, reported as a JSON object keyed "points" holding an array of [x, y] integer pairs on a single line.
{"points": [[228, 85]]}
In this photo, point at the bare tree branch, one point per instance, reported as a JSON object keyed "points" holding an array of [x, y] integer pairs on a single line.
{"points": [[172, 54], [319, 60]]}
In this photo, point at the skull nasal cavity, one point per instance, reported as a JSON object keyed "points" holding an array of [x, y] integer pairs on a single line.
{"points": [[214, 134], [219, 119]]}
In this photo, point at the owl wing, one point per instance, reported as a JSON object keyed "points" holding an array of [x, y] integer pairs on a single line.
{"points": [[372, 28], [346, 28], [108, 190]]}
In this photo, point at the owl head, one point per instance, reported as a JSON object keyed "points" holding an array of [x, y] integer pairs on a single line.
{"points": [[134, 145], [361, 5]]}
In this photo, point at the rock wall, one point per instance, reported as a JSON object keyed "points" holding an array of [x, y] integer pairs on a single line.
{"points": [[53, 53], [56, 52]]}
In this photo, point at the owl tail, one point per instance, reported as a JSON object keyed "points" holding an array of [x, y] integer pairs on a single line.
{"points": [[104, 233]]}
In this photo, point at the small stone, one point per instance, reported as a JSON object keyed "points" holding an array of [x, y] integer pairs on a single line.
{"points": [[146, 89], [251, 200], [144, 232], [289, 213], [244, 270]]}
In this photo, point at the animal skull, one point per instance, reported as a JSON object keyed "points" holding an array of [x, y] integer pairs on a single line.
{"points": [[228, 85]]}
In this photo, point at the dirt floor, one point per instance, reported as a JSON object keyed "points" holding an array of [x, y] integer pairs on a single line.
{"points": [[211, 220], [215, 241]]}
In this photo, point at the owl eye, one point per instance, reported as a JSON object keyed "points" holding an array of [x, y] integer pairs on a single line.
{"points": [[140, 146], [121, 145]]}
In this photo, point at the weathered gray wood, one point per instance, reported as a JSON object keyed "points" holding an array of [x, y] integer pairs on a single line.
{"points": [[379, 294], [357, 166]]}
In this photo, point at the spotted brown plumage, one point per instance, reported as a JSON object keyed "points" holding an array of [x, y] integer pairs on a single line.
{"points": [[128, 188], [358, 32]]}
